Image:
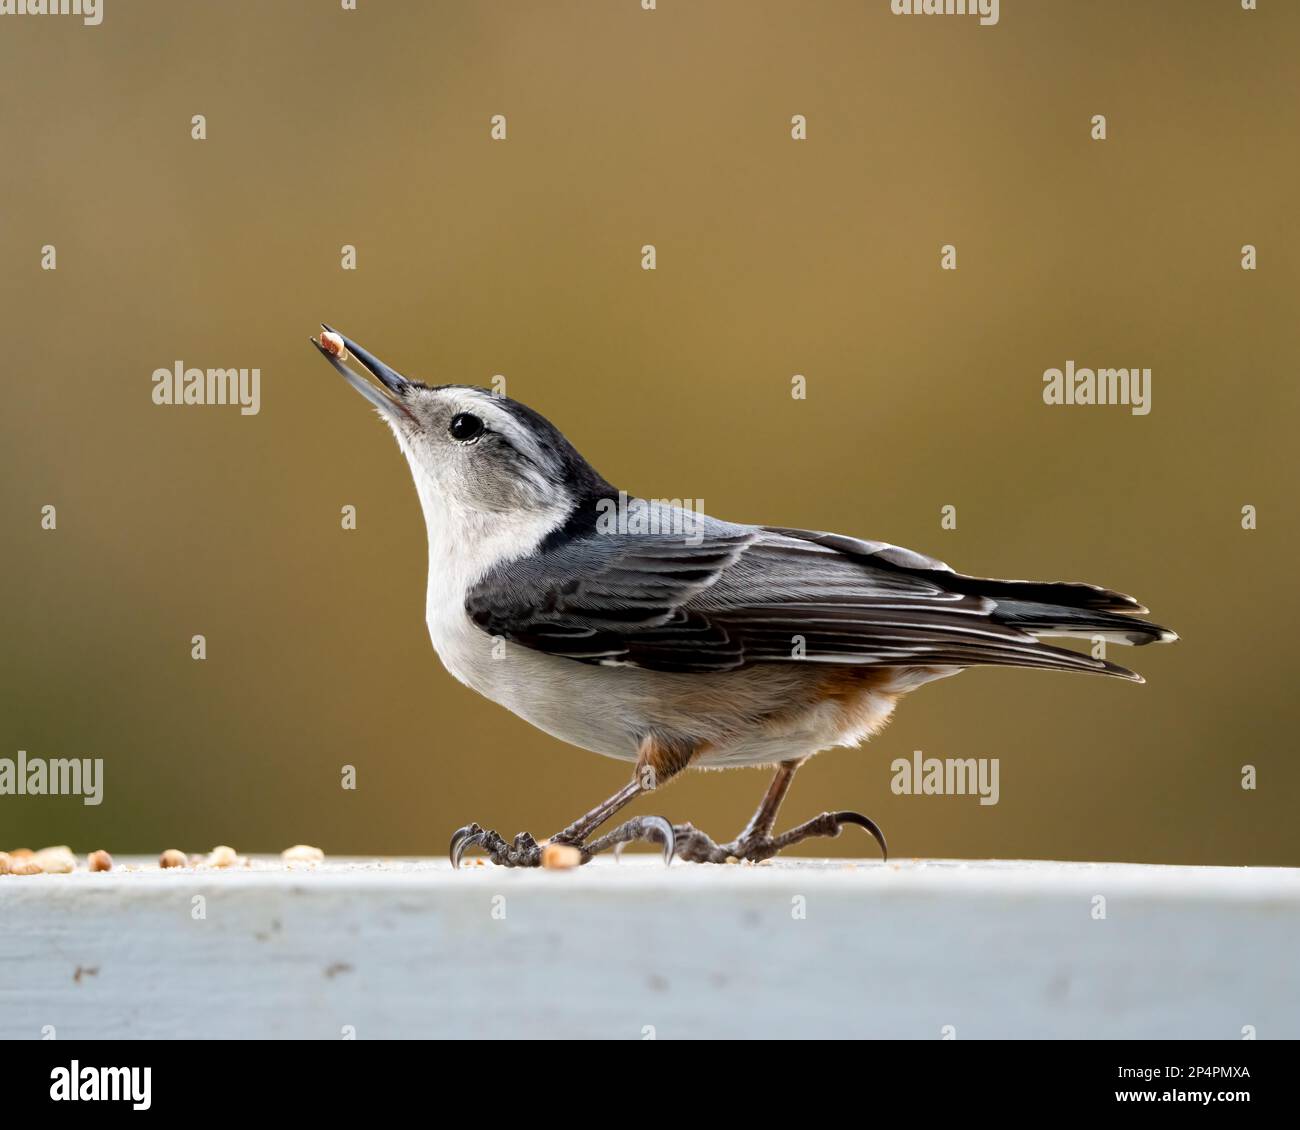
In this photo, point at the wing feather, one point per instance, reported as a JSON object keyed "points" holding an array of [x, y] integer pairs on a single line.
{"points": [[730, 595]]}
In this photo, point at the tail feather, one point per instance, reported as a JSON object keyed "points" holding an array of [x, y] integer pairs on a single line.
{"points": [[1034, 608], [1064, 595], [1059, 620]]}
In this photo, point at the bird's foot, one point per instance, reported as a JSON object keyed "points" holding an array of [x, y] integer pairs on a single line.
{"points": [[525, 851], [694, 846], [682, 840]]}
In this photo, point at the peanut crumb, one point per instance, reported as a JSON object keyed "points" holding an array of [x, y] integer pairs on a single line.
{"points": [[560, 857], [55, 860], [222, 856]]}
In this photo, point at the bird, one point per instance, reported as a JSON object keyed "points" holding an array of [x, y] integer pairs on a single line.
{"points": [[652, 633]]}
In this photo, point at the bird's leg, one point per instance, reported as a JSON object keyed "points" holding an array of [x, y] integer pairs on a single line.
{"points": [[756, 842], [582, 827], [656, 763], [764, 819]]}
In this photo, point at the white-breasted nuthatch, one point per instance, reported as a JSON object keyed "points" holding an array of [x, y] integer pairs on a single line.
{"points": [[678, 640]]}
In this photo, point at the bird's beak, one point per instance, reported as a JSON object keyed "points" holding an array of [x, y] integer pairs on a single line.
{"points": [[388, 395]]}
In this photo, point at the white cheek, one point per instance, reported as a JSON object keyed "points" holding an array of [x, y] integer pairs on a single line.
{"points": [[466, 542]]}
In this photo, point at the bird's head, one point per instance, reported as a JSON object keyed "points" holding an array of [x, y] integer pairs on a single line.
{"points": [[473, 454]]}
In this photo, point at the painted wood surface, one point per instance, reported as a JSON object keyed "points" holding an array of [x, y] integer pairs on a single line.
{"points": [[633, 950]]}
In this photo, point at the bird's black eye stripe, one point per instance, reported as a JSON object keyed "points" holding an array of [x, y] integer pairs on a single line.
{"points": [[465, 426]]}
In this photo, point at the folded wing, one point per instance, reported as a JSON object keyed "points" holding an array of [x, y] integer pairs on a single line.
{"points": [[728, 595]]}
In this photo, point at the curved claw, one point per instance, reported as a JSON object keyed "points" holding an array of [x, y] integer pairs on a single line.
{"points": [[666, 833], [635, 829], [867, 823], [460, 840]]}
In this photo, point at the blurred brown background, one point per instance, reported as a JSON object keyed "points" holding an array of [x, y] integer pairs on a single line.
{"points": [[626, 127]]}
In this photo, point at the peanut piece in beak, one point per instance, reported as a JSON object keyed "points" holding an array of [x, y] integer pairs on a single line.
{"points": [[332, 343]]}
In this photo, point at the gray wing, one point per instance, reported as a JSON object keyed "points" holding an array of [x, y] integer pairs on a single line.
{"points": [[618, 598], [735, 595]]}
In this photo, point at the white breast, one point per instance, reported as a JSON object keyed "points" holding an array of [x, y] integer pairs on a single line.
{"points": [[542, 689], [464, 545]]}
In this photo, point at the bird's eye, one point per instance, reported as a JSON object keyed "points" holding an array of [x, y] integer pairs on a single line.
{"points": [[465, 426]]}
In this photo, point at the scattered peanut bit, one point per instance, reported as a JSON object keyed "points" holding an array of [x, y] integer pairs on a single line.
{"points": [[55, 860], [560, 857], [332, 343], [302, 853], [172, 858], [222, 856], [24, 865], [4, 863], [100, 861], [20, 853]]}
